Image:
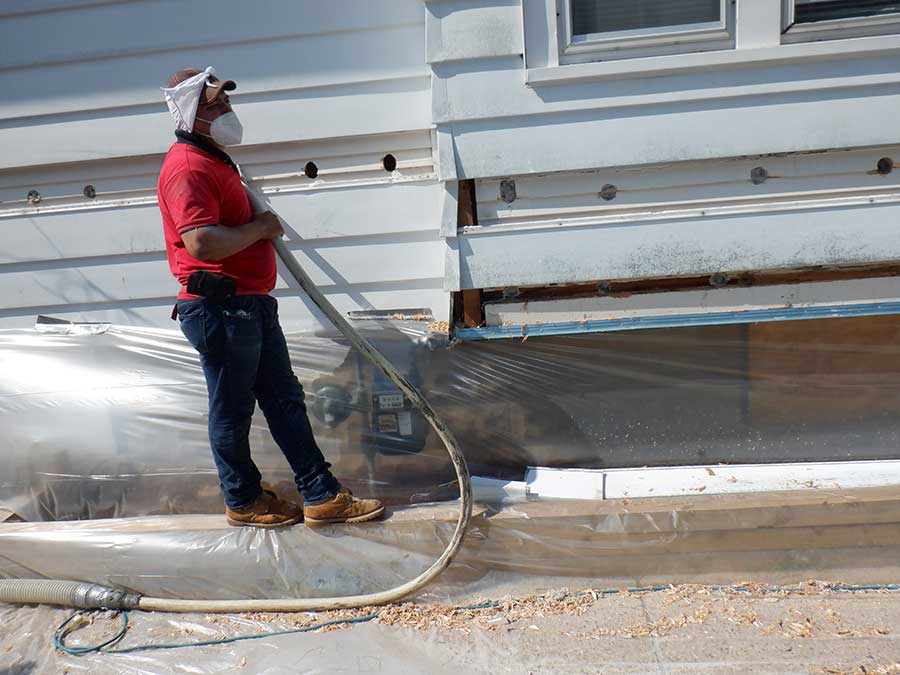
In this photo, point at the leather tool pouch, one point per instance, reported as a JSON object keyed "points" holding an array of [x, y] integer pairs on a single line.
{"points": [[214, 287]]}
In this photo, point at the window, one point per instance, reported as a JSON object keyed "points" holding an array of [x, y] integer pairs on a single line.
{"points": [[806, 20], [603, 29], [607, 16], [806, 11], [625, 39]]}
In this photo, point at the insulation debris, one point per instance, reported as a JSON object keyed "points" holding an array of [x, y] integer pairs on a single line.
{"points": [[694, 604], [883, 669], [409, 317], [487, 616]]}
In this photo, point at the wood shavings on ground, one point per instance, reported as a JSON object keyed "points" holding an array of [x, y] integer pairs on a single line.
{"points": [[660, 628], [446, 617], [866, 631], [409, 317], [794, 629], [741, 605], [439, 326], [884, 669], [685, 593], [745, 616]]}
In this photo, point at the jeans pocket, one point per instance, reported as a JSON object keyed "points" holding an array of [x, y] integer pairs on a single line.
{"points": [[192, 319], [194, 329]]}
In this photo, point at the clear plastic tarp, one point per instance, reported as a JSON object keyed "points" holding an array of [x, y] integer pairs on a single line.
{"points": [[106, 426], [107, 474]]}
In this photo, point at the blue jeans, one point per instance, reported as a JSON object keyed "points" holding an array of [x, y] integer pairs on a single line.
{"points": [[245, 361]]}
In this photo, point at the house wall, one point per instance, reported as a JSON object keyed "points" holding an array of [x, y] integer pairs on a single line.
{"points": [[340, 84], [455, 89], [678, 135]]}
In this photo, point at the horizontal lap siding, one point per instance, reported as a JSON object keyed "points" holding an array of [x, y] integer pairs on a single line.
{"points": [[501, 125], [340, 84], [679, 147], [357, 214], [680, 248]]}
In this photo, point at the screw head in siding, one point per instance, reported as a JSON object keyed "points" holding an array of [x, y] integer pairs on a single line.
{"points": [[608, 192], [89, 191], [34, 196], [508, 191], [718, 279], [885, 166], [759, 175]]}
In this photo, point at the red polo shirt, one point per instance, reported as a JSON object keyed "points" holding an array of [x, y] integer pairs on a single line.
{"points": [[195, 188]]}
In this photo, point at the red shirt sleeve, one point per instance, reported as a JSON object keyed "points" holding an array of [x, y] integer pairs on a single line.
{"points": [[192, 200]]}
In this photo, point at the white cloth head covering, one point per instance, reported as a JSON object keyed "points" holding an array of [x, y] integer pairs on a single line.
{"points": [[184, 97]]}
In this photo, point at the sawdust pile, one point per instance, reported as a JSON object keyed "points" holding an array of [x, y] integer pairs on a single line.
{"points": [[505, 612], [660, 628], [693, 604], [884, 669], [409, 317]]}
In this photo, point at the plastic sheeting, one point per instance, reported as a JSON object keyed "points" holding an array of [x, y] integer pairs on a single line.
{"points": [[362, 649], [681, 631], [114, 424], [108, 427]]}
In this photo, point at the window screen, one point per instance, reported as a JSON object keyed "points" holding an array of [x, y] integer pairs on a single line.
{"points": [[604, 16], [807, 11]]}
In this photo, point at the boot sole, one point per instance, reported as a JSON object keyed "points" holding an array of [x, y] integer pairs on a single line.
{"points": [[265, 526], [341, 519]]}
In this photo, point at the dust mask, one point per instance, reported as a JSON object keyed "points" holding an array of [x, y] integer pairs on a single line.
{"points": [[226, 129]]}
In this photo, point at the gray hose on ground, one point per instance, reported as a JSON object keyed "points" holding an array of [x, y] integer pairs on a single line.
{"points": [[459, 463], [66, 594], [43, 591]]}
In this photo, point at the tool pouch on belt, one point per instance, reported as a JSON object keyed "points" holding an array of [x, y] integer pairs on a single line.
{"points": [[215, 287]]}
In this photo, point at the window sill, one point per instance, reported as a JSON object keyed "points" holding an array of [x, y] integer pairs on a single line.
{"points": [[657, 66]]}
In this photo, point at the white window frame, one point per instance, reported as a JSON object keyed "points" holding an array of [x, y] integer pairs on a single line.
{"points": [[863, 26], [637, 43], [758, 36]]}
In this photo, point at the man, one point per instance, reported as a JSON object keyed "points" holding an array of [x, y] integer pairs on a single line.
{"points": [[222, 254]]}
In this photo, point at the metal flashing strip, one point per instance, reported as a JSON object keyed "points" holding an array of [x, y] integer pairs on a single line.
{"points": [[699, 319]]}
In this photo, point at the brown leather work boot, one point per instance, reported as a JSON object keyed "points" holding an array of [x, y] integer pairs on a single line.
{"points": [[342, 508], [267, 510]]}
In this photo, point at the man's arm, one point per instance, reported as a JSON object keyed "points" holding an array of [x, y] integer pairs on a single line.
{"points": [[215, 242]]}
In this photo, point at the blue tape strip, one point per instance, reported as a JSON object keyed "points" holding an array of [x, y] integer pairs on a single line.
{"points": [[704, 319]]}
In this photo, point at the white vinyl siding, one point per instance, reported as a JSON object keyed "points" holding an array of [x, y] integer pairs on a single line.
{"points": [[340, 84]]}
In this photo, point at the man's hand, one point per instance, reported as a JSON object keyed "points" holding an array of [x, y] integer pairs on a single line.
{"points": [[269, 225]]}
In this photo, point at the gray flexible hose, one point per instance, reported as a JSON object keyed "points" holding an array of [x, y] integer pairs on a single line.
{"points": [[71, 593], [66, 594]]}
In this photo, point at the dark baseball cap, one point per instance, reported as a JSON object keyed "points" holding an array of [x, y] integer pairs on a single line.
{"points": [[212, 89]]}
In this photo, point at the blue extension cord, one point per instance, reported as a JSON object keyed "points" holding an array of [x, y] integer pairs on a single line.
{"points": [[60, 634]]}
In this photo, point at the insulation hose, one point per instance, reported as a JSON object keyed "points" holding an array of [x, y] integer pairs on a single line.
{"points": [[65, 593], [91, 596]]}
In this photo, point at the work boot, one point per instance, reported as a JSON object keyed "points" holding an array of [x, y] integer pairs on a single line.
{"points": [[267, 510], [342, 508]]}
